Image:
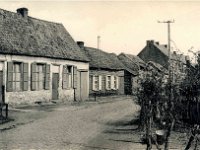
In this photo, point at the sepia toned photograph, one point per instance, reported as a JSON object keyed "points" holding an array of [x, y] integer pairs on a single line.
{"points": [[99, 75]]}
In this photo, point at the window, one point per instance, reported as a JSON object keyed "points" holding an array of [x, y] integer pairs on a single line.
{"points": [[40, 75], [108, 83], [17, 77], [67, 77], [111, 82], [95, 82], [115, 82]]}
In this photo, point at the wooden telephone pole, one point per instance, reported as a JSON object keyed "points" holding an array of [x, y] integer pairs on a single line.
{"points": [[170, 102]]}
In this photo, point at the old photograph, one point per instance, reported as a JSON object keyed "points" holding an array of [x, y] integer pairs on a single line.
{"points": [[99, 75]]}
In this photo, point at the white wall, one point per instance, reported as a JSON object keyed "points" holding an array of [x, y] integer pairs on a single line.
{"points": [[42, 95]]}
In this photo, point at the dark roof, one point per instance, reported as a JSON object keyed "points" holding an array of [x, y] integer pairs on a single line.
{"points": [[130, 62], [33, 37], [103, 60], [157, 66], [174, 55], [136, 59]]}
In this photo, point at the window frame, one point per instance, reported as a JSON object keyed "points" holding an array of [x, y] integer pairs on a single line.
{"points": [[68, 77], [14, 76], [38, 74], [108, 82]]}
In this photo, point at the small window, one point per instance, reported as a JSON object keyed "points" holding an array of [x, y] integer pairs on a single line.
{"points": [[95, 83], [67, 77], [17, 77], [115, 82], [108, 83], [40, 75]]}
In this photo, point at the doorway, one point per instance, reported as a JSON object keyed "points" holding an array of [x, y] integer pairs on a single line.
{"points": [[55, 85]]}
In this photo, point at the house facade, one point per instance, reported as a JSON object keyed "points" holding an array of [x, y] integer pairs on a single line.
{"points": [[39, 61], [158, 53], [107, 74], [135, 65], [156, 56]]}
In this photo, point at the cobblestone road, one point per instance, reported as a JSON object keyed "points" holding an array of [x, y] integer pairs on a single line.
{"points": [[70, 127]]}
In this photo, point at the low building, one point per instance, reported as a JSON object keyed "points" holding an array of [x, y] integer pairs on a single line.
{"points": [[108, 76], [39, 60], [136, 65]]}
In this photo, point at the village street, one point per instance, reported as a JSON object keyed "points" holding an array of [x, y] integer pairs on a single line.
{"points": [[74, 127]]}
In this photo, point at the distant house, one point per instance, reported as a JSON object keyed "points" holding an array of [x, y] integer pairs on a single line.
{"points": [[136, 65], [39, 60], [108, 76], [155, 52]]}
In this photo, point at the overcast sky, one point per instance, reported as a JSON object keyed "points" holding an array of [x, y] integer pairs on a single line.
{"points": [[123, 26]]}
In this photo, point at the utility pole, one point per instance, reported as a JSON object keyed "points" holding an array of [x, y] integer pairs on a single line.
{"points": [[98, 42], [168, 22], [170, 102], [169, 38]]}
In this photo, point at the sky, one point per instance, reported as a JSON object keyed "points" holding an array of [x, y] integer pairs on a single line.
{"points": [[123, 26]]}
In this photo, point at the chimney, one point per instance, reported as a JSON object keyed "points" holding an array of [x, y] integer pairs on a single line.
{"points": [[80, 44], [165, 45], [23, 12], [150, 42], [187, 58]]}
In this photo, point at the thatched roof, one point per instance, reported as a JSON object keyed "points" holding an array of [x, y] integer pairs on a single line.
{"points": [[137, 60], [33, 37], [103, 60], [129, 63]]}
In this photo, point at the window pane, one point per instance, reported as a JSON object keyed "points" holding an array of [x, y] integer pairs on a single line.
{"points": [[17, 67], [40, 77], [41, 85], [18, 77], [70, 81], [69, 69], [18, 86]]}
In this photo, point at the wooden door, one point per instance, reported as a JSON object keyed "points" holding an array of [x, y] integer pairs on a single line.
{"points": [[81, 93], [55, 85], [83, 85]]}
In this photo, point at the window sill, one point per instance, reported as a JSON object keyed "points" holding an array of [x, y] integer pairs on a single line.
{"points": [[111, 89], [96, 90], [68, 88]]}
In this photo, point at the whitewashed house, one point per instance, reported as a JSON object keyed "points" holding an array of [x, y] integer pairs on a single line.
{"points": [[39, 60]]}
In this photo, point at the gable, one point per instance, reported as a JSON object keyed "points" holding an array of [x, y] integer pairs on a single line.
{"points": [[154, 54]]}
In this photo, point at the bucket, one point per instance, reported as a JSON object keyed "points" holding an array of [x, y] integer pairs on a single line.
{"points": [[160, 136]]}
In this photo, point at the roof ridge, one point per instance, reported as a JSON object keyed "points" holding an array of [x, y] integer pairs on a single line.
{"points": [[32, 17], [132, 60], [37, 37]]}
